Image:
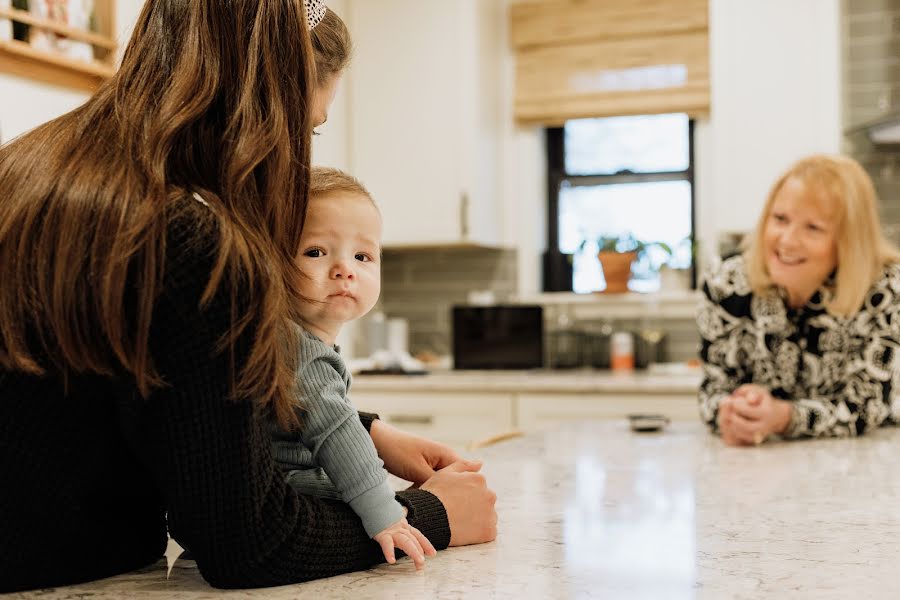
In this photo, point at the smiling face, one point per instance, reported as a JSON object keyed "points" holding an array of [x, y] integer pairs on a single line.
{"points": [[340, 252], [799, 241]]}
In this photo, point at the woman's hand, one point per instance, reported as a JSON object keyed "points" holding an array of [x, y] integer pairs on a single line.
{"points": [[468, 501], [409, 456], [750, 414]]}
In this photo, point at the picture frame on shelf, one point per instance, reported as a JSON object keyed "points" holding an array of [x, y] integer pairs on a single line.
{"points": [[66, 43], [76, 14]]}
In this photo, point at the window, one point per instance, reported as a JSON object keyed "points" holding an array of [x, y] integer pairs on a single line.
{"points": [[615, 177]]}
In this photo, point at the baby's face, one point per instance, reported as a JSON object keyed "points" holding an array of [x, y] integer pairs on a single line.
{"points": [[340, 252]]}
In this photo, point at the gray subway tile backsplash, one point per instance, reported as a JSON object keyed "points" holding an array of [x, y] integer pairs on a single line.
{"points": [[423, 285], [871, 79]]}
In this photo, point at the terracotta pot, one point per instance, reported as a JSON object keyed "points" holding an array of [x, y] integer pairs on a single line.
{"points": [[617, 270]]}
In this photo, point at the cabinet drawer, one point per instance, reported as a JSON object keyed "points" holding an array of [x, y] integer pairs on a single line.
{"points": [[542, 411], [452, 418]]}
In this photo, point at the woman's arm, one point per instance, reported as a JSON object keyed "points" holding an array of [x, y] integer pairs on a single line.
{"points": [[860, 405], [859, 359], [408, 456], [210, 455], [720, 353], [861, 401]]}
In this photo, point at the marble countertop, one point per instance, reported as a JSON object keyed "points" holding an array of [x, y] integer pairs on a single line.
{"points": [[545, 381], [594, 510]]}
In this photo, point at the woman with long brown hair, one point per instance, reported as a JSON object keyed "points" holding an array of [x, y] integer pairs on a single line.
{"points": [[148, 287]]}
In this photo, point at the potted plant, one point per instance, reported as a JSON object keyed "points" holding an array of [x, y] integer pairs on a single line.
{"points": [[617, 254]]}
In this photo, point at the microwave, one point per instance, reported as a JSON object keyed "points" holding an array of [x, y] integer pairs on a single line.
{"points": [[498, 337]]}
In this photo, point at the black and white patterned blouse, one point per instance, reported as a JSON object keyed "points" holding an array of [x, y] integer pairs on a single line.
{"points": [[841, 373]]}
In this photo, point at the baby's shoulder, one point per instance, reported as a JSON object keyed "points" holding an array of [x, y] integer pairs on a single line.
{"points": [[319, 356]]}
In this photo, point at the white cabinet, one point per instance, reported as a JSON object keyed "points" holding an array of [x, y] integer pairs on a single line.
{"points": [[425, 117], [456, 419], [545, 411]]}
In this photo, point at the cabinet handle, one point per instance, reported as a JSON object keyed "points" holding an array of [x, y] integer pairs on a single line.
{"points": [[463, 215], [411, 419]]}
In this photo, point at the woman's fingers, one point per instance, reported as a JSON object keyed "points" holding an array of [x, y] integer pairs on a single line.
{"points": [[750, 408], [748, 431], [463, 466], [736, 430]]}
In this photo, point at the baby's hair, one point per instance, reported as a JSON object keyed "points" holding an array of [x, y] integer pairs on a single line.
{"points": [[327, 180]]}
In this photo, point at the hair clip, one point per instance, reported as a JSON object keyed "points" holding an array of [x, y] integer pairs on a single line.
{"points": [[315, 11]]}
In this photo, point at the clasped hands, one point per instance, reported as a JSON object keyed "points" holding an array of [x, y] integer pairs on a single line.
{"points": [[437, 469], [750, 414]]}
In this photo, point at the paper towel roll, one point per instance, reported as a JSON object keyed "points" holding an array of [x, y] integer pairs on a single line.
{"points": [[398, 336]]}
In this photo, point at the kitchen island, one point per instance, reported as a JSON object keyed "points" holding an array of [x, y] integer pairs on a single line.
{"points": [[593, 510]]}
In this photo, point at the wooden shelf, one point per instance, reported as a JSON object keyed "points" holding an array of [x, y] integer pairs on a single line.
{"points": [[21, 59], [18, 58]]}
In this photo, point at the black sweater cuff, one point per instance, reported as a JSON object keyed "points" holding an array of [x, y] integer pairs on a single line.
{"points": [[428, 515], [367, 419]]}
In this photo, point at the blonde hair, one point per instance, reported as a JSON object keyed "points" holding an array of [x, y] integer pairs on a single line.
{"points": [[844, 187], [327, 180]]}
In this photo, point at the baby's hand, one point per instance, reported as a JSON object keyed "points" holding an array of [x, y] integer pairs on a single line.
{"points": [[404, 536]]}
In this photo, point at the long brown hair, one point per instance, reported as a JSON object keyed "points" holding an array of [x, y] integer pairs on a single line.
{"points": [[211, 97]]}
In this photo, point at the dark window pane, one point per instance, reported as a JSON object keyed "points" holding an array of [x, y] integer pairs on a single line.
{"points": [[652, 212], [642, 144]]}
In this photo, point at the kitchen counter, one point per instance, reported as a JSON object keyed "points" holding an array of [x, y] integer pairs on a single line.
{"points": [[565, 381], [591, 509]]}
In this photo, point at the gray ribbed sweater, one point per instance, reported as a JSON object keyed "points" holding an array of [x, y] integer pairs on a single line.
{"points": [[332, 455]]}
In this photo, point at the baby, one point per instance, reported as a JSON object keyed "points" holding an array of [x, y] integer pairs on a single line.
{"points": [[332, 455]]}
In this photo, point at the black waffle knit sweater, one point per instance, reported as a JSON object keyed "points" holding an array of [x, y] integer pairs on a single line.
{"points": [[90, 471]]}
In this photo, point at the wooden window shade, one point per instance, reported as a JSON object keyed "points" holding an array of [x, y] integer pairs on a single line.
{"points": [[20, 58], [596, 58]]}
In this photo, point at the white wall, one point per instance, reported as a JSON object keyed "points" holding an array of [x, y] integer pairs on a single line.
{"points": [[25, 103], [331, 148], [775, 71], [523, 183]]}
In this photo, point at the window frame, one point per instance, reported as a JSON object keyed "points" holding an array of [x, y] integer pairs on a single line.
{"points": [[557, 266]]}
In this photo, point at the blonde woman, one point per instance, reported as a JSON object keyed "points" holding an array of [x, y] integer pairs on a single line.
{"points": [[801, 332]]}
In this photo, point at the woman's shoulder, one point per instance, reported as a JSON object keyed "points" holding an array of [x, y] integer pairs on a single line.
{"points": [[891, 273], [190, 221], [193, 235], [726, 278], [887, 286], [317, 356]]}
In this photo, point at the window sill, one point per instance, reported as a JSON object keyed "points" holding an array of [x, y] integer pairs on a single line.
{"points": [[681, 304]]}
